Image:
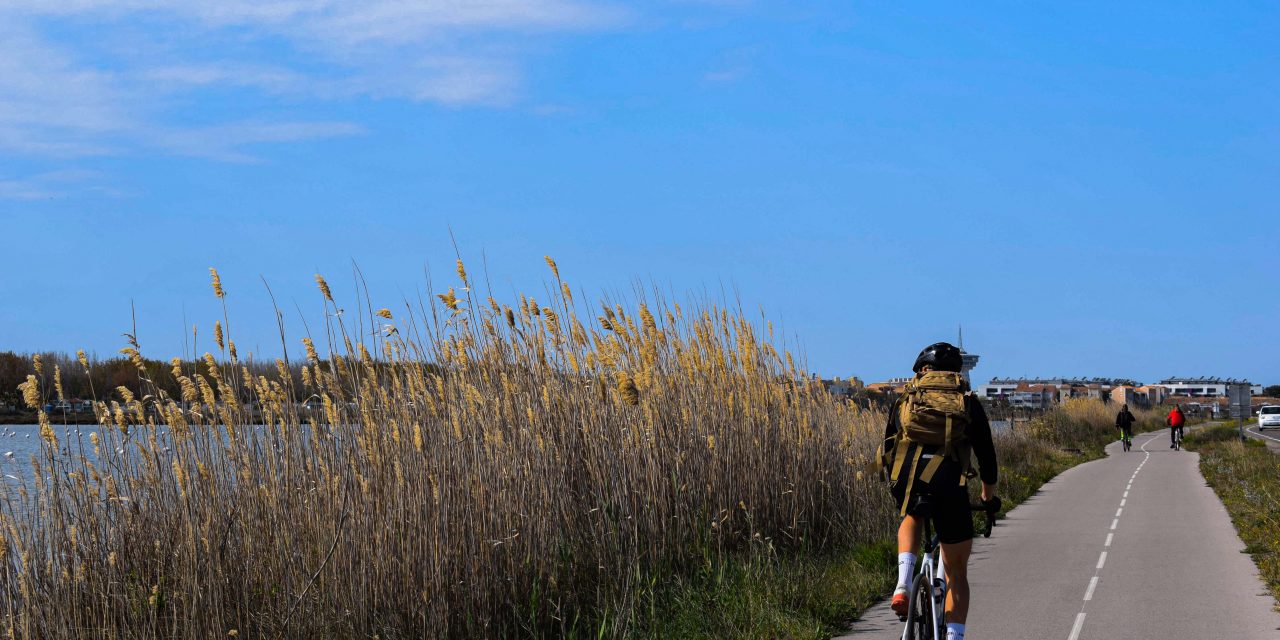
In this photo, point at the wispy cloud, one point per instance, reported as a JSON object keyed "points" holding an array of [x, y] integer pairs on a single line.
{"points": [[66, 96], [55, 184], [228, 142], [733, 65]]}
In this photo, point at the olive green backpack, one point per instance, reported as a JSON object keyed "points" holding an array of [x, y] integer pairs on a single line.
{"points": [[932, 412]]}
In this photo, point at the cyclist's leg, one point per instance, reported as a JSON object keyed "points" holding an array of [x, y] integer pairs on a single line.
{"points": [[955, 558], [953, 520], [908, 543], [909, 534]]}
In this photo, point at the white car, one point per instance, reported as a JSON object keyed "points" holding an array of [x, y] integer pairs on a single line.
{"points": [[1269, 416]]}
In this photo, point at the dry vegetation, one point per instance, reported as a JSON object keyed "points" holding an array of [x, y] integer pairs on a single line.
{"points": [[468, 469], [1246, 476], [476, 470]]}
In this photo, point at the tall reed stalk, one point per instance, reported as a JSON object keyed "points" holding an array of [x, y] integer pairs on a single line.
{"points": [[469, 468]]}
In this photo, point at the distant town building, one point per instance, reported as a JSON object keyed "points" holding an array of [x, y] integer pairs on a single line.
{"points": [[843, 388], [894, 385], [1002, 388], [1153, 393], [1033, 397], [1125, 394], [1205, 387]]}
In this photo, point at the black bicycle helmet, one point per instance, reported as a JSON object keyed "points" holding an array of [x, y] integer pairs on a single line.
{"points": [[942, 356]]}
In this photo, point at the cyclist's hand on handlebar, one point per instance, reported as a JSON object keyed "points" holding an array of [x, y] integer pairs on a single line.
{"points": [[993, 504], [988, 491]]}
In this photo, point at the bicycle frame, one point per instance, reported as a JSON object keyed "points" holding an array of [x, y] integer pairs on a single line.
{"points": [[931, 554], [933, 571]]}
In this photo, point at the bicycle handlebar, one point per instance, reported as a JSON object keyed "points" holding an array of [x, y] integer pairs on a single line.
{"points": [[990, 509]]}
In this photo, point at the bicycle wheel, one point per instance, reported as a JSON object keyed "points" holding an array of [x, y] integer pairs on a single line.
{"points": [[919, 622]]}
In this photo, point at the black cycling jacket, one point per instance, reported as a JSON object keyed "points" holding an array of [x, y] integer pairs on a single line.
{"points": [[1124, 420], [979, 433]]}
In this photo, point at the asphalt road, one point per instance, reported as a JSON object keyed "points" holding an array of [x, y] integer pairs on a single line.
{"points": [[1271, 436], [1134, 546]]}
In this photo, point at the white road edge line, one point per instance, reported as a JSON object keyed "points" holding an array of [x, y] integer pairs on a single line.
{"points": [[1075, 630], [1109, 537], [1255, 432], [1102, 559], [1093, 584], [1114, 523], [1124, 499], [1119, 511]]}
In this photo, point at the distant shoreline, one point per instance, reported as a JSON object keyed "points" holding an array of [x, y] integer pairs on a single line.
{"points": [[56, 418]]}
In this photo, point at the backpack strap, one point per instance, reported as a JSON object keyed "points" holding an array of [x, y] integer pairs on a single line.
{"points": [[946, 441], [911, 481], [899, 457], [926, 475]]}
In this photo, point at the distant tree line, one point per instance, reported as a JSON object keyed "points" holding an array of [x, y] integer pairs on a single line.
{"points": [[104, 376]]}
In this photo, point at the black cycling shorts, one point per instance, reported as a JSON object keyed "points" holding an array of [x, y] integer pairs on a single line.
{"points": [[947, 500]]}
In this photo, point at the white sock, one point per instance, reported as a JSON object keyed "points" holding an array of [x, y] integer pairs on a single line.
{"points": [[906, 566], [955, 631]]}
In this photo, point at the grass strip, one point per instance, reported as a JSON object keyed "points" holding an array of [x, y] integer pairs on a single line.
{"points": [[1246, 477], [816, 596]]}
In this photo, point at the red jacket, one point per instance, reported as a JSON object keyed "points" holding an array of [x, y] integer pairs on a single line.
{"points": [[1175, 418]]}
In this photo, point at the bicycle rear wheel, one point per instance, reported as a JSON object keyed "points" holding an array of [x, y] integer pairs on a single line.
{"points": [[919, 620]]}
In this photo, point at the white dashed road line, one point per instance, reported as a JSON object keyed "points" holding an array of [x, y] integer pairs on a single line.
{"points": [[1102, 559], [1075, 630]]}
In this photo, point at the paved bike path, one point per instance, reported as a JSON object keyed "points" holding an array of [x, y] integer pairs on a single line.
{"points": [[1173, 566]]}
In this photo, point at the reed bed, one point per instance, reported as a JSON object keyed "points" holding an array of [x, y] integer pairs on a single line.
{"points": [[1087, 423], [467, 468]]}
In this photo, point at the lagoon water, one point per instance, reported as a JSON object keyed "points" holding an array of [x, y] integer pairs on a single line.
{"points": [[18, 442]]}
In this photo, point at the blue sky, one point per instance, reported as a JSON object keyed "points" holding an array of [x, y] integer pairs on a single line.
{"points": [[1090, 188]]}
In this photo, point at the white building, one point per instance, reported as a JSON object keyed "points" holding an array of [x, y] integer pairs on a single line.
{"points": [[997, 389], [1205, 387]]}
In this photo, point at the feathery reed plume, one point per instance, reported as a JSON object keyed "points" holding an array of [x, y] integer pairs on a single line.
{"points": [[31, 392], [217, 334], [462, 273], [384, 313], [450, 299], [324, 287], [217, 283]]}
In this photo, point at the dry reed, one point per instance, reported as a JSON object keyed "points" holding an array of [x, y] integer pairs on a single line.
{"points": [[461, 468]]}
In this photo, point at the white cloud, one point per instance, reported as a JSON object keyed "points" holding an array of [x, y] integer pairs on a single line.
{"points": [[54, 184], [733, 65], [65, 96], [227, 142]]}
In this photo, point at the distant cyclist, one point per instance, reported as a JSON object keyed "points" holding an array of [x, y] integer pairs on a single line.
{"points": [[1124, 422], [931, 431], [1175, 420]]}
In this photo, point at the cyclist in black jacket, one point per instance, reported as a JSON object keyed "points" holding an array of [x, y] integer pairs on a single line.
{"points": [[1124, 422], [946, 492]]}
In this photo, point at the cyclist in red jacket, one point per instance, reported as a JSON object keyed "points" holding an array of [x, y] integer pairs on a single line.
{"points": [[1175, 420]]}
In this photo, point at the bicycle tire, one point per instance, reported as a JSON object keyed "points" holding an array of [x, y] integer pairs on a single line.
{"points": [[919, 624]]}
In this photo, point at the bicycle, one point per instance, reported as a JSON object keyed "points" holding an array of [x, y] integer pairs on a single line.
{"points": [[1127, 439], [1177, 438], [926, 606]]}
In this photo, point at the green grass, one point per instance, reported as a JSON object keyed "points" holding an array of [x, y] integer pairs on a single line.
{"points": [[815, 596], [801, 596], [1246, 477]]}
